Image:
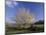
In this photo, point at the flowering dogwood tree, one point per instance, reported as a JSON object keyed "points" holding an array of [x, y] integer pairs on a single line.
{"points": [[23, 19]]}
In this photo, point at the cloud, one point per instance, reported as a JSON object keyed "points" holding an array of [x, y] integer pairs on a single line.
{"points": [[8, 20], [11, 3]]}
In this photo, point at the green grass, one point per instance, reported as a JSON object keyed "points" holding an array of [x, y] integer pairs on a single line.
{"points": [[37, 28]]}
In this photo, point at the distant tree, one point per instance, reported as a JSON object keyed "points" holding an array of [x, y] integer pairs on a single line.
{"points": [[40, 22]]}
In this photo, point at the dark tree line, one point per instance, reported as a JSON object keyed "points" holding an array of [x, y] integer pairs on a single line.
{"points": [[40, 22]]}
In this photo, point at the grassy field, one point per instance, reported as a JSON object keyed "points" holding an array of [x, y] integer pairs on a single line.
{"points": [[35, 29]]}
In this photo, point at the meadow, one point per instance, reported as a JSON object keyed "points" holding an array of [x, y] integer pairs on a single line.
{"points": [[38, 27]]}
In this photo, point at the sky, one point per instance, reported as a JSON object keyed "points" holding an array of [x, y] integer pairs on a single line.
{"points": [[11, 8]]}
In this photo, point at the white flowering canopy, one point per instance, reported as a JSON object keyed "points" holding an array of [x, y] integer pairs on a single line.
{"points": [[24, 18]]}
